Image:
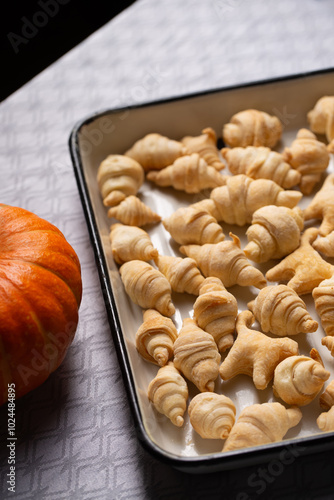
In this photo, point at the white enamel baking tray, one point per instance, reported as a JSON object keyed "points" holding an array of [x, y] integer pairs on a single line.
{"points": [[114, 131]]}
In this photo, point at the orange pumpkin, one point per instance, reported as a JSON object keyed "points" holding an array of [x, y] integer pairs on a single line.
{"points": [[40, 294]]}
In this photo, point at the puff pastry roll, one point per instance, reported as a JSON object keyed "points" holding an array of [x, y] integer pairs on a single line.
{"points": [[326, 399], [262, 424], [206, 146], [182, 274], [196, 356], [130, 243], [168, 392], [321, 119], [155, 337], [147, 287], [212, 415], [322, 206], [325, 421], [252, 127], [133, 212], [323, 296]]}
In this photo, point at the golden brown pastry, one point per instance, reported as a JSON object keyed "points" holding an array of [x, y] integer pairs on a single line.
{"points": [[189, 173], [215, 311], [155, 337], [321, 119], [261, 163], [118, 177], [133, 212], [129, 243], [326, 399], [325, 244], [168, 392], [241, 196], [325, 421], [182, 274], [304, 268], [262, 424], [147, 287], [299, 379], [309, 156], [155, 151], [281, 311], [329, 343], [255, 354], [226, 261], [274, 233], [196, 356], [212, 415], [193, 224], [322, 206], [323, 296], [206, 146], [252, 127]]}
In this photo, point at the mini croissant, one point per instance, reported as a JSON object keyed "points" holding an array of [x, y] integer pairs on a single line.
{"points": [[215, 311], [304, 268], [325, 421], [329, 343], [168, 392], [326, 399], [322, 206], [274, 233], [147, 287], [130, 243], [252, 127], [189, 173], [155, 337], [155, 151], [299, 379], [261, 163], [118, 177], [196, 356], [236, 202], [226, 261], [281, 311], [212, 415], [323, 296], [309, 156], [321, 119], [262, 424], [192, 224], [133, 212], [206, 146], [182, 274], [325, 244]]}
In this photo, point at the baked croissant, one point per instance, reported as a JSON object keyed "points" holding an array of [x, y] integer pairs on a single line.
{"points": [[281, 311], [326, 399], [304, 268], [299, 379], [155, 151], [262, 424], [325, 421], [182, 274], [321, 119], [192, 224], [325, 244], [274, 233], [329, 343], [261, 163], [241, 196], [254, 353], [323, 296], [196, 356], [130, 243], [322, 206], [252, 127], [215, 311], [206, 146], [147, 287], [155, 337], [226, 261], [189, 173], [309, 156], [168, 392], [133, 212], [118, 177], [212, 415]]}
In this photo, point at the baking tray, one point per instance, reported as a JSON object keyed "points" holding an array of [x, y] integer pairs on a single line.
{"points": [[114, 131]]}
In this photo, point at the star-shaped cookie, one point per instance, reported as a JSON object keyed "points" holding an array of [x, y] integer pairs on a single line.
{"points": [[254, 353]]}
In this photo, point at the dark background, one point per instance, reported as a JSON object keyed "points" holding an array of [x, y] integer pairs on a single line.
{"points": [[35, 33]]}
